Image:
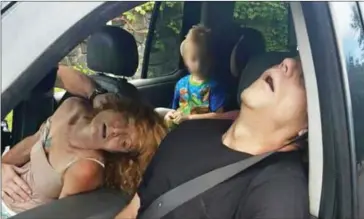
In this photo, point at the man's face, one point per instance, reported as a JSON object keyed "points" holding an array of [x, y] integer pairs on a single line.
{"points": [[279, 93]]}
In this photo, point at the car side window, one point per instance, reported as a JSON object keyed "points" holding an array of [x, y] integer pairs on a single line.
{"points": [[165, 53], [164, 50], [348, 23], [270, 18]]}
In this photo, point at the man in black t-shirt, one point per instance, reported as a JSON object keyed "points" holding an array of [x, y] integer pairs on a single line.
{"points": [[273, 110]]}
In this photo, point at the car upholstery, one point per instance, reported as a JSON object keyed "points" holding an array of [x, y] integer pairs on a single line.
{"points": [[112, 53]]}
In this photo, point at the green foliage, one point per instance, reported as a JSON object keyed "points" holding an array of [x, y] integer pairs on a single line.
{"points": [[270, 18], [165, 44], [142, 10], [83, 69], [9, 120], [357, 26]]}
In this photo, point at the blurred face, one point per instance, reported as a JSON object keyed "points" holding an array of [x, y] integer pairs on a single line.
{"points": [[279, 94], [195, 59], [111, 132]]}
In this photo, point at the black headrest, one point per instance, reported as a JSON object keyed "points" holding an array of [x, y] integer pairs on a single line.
{"points": [[257, 65], [116, 85], [112, 50], [250, 43]]}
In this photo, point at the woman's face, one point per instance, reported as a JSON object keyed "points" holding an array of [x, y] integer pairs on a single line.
{"points": [[279, 93], [111, 132]]}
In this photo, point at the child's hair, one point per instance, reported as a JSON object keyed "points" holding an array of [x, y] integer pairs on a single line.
{"points": [[198, 34]]}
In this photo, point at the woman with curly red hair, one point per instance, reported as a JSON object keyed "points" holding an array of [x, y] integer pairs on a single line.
{"points": [[81, 148]]}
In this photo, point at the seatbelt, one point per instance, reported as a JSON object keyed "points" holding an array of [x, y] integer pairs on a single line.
{"points": [[174, 198], [187, 191]]}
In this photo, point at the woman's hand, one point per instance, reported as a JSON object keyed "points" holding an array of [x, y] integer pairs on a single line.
{"points": [[14, 188]]}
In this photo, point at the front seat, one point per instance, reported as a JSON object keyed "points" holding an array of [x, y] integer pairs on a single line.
{"points": [[257, 65], [105, 203], [250, 43], [112, 53]]}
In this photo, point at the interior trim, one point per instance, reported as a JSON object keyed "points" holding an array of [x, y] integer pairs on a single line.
{"points": [[149, 40], [314, 113]]}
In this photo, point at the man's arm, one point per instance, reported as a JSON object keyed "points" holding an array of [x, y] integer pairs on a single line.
{"points": [[131, 210], [74, 81]]}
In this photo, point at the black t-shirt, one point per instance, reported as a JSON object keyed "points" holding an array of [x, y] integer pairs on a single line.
{"points": [[274, 188]]}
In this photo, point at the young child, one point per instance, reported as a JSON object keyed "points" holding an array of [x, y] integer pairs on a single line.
{"points": [[197, 95]]}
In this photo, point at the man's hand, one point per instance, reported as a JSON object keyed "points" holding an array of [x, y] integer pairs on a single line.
{"points": [[103, 99], [14, 188]]}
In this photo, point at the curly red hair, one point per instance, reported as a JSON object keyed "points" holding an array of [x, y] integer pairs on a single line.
{"points": [[124, 170]]}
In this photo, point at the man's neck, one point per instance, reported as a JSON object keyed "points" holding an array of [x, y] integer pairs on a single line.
{"points": [[254, 134]]}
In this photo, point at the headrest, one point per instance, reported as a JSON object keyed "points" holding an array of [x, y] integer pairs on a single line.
{"points": [[116, 85], [257, 65], [250, 43], [112, 50]]}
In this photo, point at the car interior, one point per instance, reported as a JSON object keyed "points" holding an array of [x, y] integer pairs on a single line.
{"points": [[112, 52]]}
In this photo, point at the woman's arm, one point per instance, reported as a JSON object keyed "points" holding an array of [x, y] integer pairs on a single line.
{"points": [[131, 210], [12, 185], [83, 176], [74, 81], [19, 154]]}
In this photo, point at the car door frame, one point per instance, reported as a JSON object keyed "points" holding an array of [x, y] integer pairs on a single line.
{"points": [[346, 38], [338, 191]]}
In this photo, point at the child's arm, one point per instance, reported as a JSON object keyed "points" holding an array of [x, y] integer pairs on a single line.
{"points": [[175, 102], [217, 101]]}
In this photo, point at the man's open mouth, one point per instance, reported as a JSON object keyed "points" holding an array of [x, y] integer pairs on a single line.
{"points": [[104, 130], [269, 81]]}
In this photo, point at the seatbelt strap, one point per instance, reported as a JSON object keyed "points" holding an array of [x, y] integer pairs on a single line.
{"points": [[187, 191]]}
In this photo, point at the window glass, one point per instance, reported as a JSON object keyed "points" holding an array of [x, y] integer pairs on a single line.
{"points": [[270, 18], [165, 53], [164, 56], [350, 35]]}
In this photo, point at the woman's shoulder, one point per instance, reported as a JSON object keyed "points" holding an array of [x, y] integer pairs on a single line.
{"points": [[86, 164], [72, 106]]}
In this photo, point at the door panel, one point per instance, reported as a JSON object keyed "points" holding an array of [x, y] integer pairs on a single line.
{"points": [[159, 91]]}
